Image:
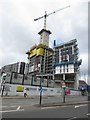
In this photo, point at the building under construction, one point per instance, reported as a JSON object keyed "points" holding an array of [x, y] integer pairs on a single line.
{"points": [[66, 63], [52, 66], [56, 64], [40, 60]]}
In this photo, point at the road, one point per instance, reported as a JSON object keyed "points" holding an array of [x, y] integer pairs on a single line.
{"points": [[25, 108], [68, 112]]}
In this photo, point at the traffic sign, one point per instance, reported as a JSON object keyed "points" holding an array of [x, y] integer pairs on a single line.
{"points": [[63, 84]]}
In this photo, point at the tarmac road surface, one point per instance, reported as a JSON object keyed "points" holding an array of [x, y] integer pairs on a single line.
{"points": [[51, 107], [68, 112]]}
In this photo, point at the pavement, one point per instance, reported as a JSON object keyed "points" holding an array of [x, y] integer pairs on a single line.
{"points": [[48, 101], [69, 100], [21, 97], [62, 104]]}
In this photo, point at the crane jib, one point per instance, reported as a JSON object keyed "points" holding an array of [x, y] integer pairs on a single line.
{"points": [[46, 15], [58, 10]]}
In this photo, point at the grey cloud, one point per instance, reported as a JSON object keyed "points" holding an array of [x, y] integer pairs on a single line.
{"points": [[16, 36]]}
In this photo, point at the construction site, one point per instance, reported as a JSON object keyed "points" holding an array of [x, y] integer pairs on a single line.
{"points": [[52, 66], [58, 64], [40, 59]]}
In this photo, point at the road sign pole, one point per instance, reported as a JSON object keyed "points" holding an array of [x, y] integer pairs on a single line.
{"points": [[63, 86], [63, 94], [40, 91], [40, 95]]}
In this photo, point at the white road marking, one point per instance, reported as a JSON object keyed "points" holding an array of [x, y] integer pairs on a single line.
{"points": [[72, 118], [6, 106], [77, 106], [88, 114], [53, 107], [47, 107], [12, 111], [18, 107]]}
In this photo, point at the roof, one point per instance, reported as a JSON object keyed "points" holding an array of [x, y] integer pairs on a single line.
{"points": [[45, 31], [67, 43], [38, 46]]}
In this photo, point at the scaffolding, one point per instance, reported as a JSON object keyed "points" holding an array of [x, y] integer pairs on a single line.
{"points": [[66, 62], [40, 60], [59, 61]]}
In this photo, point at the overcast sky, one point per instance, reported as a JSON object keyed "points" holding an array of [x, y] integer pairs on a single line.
{"points": [[19, 31]]}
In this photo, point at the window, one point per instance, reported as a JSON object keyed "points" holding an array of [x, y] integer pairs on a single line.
{"points": [[22, 68], [17, 78], [15, 75], [27, 80], [64, 69], [60, 69]]}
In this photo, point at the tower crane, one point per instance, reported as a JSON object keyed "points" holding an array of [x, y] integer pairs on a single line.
{"points": [[46, 15]]}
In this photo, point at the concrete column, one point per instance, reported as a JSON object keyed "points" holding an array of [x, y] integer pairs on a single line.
{"points": [[63, 77], [76, 84]]}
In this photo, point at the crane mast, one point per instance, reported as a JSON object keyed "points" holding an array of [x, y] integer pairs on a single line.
{"points": [[46, 15]]}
